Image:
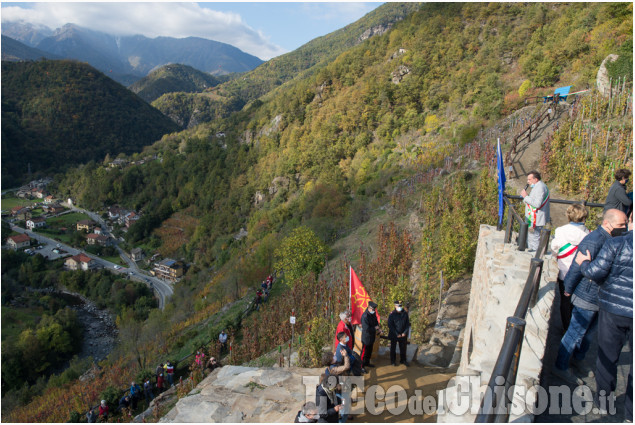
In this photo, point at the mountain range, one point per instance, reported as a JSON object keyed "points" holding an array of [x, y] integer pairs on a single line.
{"points": [[126, 59]]}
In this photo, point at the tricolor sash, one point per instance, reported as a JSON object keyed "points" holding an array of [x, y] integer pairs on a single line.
{"points": [[530, 212], [566, 251]]}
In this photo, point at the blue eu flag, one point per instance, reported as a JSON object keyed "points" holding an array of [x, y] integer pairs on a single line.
{"points": [[501, 182]]}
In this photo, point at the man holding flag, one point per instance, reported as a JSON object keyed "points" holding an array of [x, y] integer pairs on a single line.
{"points": [[364, 313], [370, 328]]}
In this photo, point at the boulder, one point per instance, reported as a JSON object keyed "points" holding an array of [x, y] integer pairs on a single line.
{"points": [[247, 394], [603, 81]]}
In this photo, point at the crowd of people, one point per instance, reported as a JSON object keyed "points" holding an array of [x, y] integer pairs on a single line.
{"points": [[595, 282], [344, 360], [262, 293]]}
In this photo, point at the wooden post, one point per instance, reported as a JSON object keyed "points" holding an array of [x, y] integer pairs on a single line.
{"points": [[440, 292]]}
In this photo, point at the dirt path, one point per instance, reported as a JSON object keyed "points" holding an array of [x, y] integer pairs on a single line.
{"points": [[418, 382], [527, 158]]}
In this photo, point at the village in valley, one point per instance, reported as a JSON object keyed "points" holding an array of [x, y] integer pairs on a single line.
{"points": [[55, 228]]}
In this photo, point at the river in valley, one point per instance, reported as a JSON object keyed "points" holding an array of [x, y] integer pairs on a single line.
{"points": [[100, 332]]}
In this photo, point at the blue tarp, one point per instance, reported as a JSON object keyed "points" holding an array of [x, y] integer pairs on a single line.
{"points": [[562, 91]]}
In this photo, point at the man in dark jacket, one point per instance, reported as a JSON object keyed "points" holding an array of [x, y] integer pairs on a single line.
{"points": [[370, 328], [398, 326], [326, 400], [124, 405], [577, 339], [617, 197], [613, 267]]}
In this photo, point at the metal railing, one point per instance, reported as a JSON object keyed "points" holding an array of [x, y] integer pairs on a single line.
{"points": [[523, 225], [495, 404]]}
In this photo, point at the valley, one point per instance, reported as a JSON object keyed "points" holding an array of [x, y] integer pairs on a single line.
{"points": [[371, 148]]}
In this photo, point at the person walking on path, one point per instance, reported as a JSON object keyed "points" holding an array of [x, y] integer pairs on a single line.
{"points": [[103, 411], [370, 328], [222, 339], [617, 197], [212, 364], [135, 394], [344, 326], [169, 371], [91, 416], [536, 208], [200, 358], [398, 326], [584, 297], [613, 270], [160, 383], [124, 405], [147, 391], [565, 245]]}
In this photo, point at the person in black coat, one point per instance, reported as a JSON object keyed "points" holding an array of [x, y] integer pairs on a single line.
{"points": [[613, 270], [398, 326], [617, 197], [326, 400], [370, 328]]}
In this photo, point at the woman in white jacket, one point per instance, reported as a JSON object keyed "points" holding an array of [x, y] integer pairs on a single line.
{"points": [[564, 246]]}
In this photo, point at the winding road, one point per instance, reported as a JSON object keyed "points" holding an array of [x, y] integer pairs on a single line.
{"points": [[162, 289]]}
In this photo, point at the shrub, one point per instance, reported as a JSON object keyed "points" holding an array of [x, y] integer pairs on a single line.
{"points": [[547, 73], [315, 338], [300, 253], [522, 90], [112, 395]]}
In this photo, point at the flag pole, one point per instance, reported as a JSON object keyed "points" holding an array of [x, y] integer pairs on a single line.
{"points": [[350, 282]]}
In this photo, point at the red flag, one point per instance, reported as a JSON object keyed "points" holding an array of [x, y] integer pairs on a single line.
{"points": [[359, 299]]}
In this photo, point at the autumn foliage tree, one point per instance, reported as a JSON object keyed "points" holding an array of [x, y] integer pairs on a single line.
{"points": [[300, 253]]}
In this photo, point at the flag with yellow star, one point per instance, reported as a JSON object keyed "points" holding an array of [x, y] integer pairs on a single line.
{"points": [[359, 299]]}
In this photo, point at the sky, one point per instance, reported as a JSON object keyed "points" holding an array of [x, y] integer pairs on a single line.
{"points": [[263, 29]]}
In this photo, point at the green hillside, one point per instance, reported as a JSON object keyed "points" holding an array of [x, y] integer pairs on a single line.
{"points": [[332, 155], [172, 78], [405, 97], [61, 113]]}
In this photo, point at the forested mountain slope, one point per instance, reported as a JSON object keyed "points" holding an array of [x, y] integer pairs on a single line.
{"points": [[317, 149], [56, 114], [172, 78]]}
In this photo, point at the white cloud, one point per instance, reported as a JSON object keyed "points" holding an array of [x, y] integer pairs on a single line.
{"points": [[350, 11], [149, 19]]}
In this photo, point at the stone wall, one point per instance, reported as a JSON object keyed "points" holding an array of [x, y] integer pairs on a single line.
{"points": [[500, 273]]}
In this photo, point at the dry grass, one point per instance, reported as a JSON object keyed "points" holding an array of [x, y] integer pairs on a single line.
{"points": [[175, 232]]}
